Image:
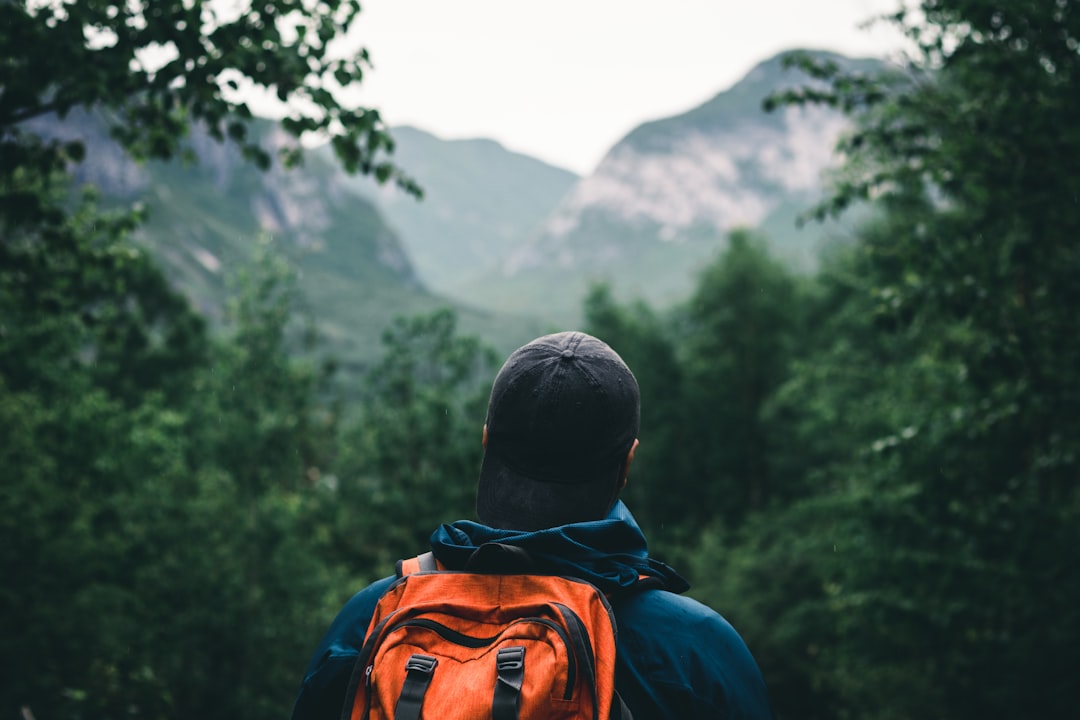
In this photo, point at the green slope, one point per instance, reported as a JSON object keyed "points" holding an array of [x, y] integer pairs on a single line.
{"points": [[205, 219], [644, 257], [480, 203]]}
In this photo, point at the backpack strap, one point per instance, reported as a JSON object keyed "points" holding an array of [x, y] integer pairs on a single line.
{"points": [[424, 562], [510, 665], [419, 669]]}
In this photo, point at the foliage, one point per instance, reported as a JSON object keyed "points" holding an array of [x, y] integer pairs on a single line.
{"points": [[143, 555], [164, 544], [958, 576], [198, 519], [159, 66], [78, 297], [259, 388], [259, 436], [409, 461], [640, 337], [742, 330], [916, 556]]}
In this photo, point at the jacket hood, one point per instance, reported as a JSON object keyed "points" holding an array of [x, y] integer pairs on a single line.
{"points": [[612, 553]]}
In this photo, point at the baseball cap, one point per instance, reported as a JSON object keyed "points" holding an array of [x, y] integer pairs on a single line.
{"points": [[563, 414]]}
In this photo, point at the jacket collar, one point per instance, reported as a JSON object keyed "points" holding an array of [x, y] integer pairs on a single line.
{"points": [[611, 553]]}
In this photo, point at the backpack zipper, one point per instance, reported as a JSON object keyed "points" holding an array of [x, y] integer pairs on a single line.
{"points": [[470, 641], [367, 692]]}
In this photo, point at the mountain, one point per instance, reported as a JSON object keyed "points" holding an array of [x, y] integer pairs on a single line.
{"points": [[509, 241], [661, 202], [205, 218], [480, 201]]}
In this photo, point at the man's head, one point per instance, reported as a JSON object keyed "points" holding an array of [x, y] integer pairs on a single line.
{"points": [[562, 425]]}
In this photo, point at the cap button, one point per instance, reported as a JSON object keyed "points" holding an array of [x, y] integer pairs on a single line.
{"points": [[567, 354]]}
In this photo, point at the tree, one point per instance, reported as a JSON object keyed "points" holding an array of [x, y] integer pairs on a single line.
{"points": [[640, 337], [160, 542], [248, 550], [78, 298], [270, 398], [742, 324], [159, 501], [958, 572], [411, 456], [156, 67]]}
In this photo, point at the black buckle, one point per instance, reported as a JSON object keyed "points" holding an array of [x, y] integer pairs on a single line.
{"points": [[423, 663], [511, 658]]}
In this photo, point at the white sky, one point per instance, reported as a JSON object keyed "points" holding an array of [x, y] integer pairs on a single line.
{"points": [[564, 80]]}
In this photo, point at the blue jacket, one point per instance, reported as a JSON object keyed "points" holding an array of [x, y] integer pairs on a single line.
{"points": [[676, 657]]}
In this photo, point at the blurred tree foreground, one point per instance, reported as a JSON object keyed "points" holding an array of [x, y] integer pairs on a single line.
{"points": [[159, 484], [895, 523], [159, 66], [872, 472], [939, 558]]}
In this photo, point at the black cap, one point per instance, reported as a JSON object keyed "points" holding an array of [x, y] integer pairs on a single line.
{"points": [[563, 414]]}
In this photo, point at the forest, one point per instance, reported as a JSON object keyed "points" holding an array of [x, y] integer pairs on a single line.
{"points": [[872, 472]]}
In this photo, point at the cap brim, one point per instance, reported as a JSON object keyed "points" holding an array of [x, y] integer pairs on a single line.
{"points": [[508, 500]]}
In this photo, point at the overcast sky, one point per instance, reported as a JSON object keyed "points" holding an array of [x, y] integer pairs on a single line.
{"points": [[564, 80]]}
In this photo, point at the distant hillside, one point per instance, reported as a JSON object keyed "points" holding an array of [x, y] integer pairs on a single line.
{"points": [[480, 201], [204, 220], [663, 199], [510, 241]]}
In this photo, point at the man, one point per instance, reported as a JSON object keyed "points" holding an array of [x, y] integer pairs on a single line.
{"points": [[560, 436]]}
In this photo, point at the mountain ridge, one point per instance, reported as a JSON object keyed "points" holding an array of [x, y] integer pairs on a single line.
{"points": [[480, 199], [508, 240], [661, 202], [204, 219]]}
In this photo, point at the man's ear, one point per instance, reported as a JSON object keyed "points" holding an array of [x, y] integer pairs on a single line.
{"points": [[483, 440], [626, 465]]}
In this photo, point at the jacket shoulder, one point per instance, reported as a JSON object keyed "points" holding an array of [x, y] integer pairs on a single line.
{"points": [[679, 656], [326, 679]]}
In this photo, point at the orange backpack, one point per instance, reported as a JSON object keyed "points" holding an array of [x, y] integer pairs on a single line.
{"points": [[487, 642]]}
